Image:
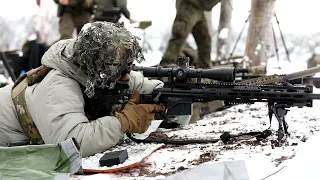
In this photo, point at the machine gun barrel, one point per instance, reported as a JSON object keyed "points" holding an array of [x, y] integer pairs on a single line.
{"points": [[303, 73], [274, 79]]}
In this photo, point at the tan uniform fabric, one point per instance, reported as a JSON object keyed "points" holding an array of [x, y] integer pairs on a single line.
{"points": [[56, 105]]}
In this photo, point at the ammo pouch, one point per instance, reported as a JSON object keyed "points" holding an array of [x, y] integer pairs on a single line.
{"points": [[109, 14], [18, 97]]}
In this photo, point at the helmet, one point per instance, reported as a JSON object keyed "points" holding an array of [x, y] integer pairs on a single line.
{"points": [[104, 51]]}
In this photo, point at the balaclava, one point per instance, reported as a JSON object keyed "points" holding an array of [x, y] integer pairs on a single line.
{"points": [[104, 51]]}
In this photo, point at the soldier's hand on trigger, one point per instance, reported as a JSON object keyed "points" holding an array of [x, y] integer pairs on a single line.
{"points": [[135, 117], [64, 2]]}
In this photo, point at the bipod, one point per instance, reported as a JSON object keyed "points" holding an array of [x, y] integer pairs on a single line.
{"points": [[280, 111]]}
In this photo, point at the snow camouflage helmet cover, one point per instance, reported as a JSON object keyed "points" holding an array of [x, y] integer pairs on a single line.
{"points": [[104, 51]]}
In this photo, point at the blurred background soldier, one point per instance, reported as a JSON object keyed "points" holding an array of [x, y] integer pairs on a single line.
{"points": [[73, 14], [111, 10], [190, 18], [315, 58]]}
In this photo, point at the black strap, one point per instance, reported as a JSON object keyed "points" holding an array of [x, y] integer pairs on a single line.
{"points": [[225, 138]]}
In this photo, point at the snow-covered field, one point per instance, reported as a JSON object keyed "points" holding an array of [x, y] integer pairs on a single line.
{"points": [[262, 158]]}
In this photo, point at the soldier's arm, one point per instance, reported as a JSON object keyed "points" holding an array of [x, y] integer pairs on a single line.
{"points": [[142, 84], [63, 117]]}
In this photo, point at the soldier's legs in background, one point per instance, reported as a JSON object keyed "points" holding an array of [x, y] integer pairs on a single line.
{"points": [[203, 39], [66, 26], [187, 50], [186, 17], [180, 31], [81, 20]]}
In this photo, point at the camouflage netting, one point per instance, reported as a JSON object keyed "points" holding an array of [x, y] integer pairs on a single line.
{"points": [[105, 52]]}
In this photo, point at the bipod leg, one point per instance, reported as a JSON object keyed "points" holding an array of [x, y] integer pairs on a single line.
{"points": [[280, 113]]}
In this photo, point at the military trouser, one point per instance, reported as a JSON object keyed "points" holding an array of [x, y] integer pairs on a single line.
{"points": [[68, 22], [188, 51], [189, 20]]}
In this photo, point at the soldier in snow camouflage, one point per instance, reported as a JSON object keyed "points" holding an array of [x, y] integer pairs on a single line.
{"points": [[51, 108]]}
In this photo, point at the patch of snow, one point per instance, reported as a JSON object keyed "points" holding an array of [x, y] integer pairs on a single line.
{"points": [[317, 50], [224, 33], [86, 26], [152, 58], [304, 165], [3, 79], [258, 47]]}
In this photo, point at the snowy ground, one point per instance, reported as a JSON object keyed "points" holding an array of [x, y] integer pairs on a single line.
{"points": [[303, 123]]}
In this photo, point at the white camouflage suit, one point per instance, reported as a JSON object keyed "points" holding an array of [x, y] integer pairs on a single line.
{"points": [[56, 105]]}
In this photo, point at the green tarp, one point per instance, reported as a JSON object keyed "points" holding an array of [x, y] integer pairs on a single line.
{"points": [[49, 161]]}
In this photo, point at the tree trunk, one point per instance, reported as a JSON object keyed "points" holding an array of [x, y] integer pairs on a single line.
{"points": [[224, 29], [259, 39]]}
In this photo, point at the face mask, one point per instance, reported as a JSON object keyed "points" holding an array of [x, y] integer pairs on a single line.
{"points": [[105, 52]]}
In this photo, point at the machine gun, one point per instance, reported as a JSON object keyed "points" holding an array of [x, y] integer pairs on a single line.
{"points": [[184, 87]]}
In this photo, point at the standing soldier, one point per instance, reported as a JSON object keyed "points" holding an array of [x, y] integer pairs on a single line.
{"points": [[190, 18], [73, 14], [315, 59], [111, 10]]}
